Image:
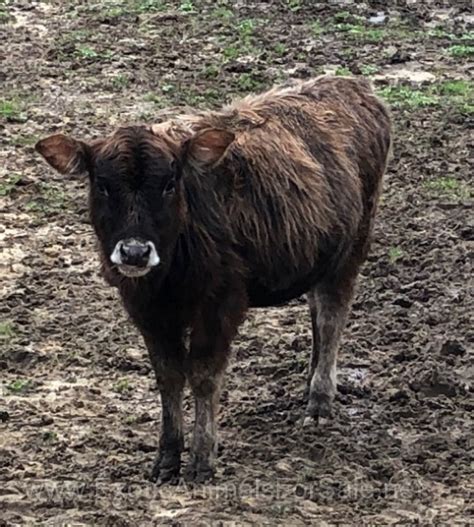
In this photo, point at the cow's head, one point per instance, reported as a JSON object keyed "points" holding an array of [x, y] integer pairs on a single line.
{"points": [[137, 203]]}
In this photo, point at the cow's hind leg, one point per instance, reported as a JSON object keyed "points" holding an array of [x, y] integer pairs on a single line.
{"points": [[313, 309], [329, 304]]}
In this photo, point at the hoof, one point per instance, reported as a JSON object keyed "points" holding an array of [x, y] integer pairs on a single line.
{"points": [[319, 409], [199, 472], [166, 470]]}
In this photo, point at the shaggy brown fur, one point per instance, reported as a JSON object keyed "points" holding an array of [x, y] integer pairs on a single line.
{"points": [[271, 197]]}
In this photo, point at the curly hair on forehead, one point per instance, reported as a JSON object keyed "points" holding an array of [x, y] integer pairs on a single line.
{"points": [[128, 141]]}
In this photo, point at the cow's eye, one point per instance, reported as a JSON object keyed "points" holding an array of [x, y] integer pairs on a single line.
{"points": [[170, 187]]}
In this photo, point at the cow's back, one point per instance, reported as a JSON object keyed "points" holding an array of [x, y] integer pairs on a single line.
{"points": [[304, 178]]}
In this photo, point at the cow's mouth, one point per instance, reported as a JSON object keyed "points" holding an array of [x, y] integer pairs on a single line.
{"points": [[133, 271]]}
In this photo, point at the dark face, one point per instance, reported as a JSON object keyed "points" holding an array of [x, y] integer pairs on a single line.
{"points": [[135, 201], [136, 197]]}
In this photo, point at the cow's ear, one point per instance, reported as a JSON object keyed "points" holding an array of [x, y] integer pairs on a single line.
{"points": [[209, 146], [65, 154]]}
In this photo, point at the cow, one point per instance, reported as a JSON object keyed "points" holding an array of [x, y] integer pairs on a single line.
{"points": [[206, 214]]}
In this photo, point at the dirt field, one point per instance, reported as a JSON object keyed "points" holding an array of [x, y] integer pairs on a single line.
{"points": [[79, 412]]}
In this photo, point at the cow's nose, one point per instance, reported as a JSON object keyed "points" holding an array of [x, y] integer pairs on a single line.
{"points": [[134, 252]]}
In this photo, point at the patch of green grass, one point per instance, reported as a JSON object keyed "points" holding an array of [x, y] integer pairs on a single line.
{"points": [[191, 98], [374, 35], [279, 49], [87, 52], [149, 6], [247, 83], [461, 51], [460, 88], [19, 386], [458, 94], [342, 15], [157, 99], [361, 32], [246, 28], [187, 7], [369, 69], [212, 95], [294, 5], [346, 27], [130, 419], [146, 116], [9, 108], [51, 199], [242, 41], [246, 33], [113, 12], [168, 88], [230, 52], [199, 98], [439, 32], [211, 71], [343, 72], [223, 13], [4, 14], [449, 187], [404, 33], [7, 186], [120, 81], [78, 35], [117, 8], [404, 96], [7, 330], [394, 254], [122, 386], [316, 28], [25, 140]]}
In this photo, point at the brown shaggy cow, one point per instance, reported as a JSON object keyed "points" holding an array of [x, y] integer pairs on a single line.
{"points": [[205, 215]]}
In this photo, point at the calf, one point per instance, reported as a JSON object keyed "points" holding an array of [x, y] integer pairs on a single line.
{"points": [[205, 215]]}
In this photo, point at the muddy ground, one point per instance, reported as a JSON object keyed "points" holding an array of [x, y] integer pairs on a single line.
{"points": [[79, 411]]}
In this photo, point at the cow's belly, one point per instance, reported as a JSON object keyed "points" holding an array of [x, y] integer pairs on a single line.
{"points": [[273, 286], [261, 295]]}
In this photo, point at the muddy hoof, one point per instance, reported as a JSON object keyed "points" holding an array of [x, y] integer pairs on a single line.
{"points": [[199, 472], [166, 470], [319, 408]]}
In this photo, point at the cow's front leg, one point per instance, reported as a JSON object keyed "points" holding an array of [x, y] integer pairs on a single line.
{"points": [[167, 357], [208, 358]]}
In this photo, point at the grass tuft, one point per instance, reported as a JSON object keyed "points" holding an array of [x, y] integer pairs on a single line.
{"points": [[461, 51], [449, 187], [7, 186], [394, 254], [7, 330], [404, 96], [122, 386], [19, 386]]}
